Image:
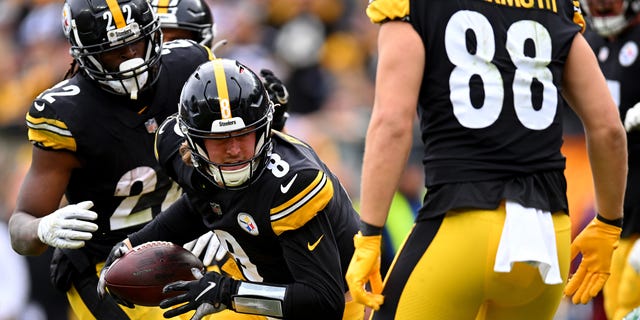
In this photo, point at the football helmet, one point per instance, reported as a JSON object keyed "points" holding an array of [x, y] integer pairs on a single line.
{"points": [[610, 17], [220, 100], [191, 15], [95, 27]]}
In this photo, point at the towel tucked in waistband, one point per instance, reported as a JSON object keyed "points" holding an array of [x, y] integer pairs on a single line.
{"points": [[528, 236]]}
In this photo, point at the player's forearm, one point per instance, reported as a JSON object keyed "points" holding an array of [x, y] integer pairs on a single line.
{"points": [[23, 230], [398, 78], [386, 153], [608, 159]]}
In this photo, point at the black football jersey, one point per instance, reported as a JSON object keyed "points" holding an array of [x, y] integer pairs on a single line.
{"points": [[296, 222], [490, 101], [113, 137], [620, 64]]}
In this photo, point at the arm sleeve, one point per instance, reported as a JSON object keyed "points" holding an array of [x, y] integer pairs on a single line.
{"points": [[179, 224], [167, 152], [313, 259]]}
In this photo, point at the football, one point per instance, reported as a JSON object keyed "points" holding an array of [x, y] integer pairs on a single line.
{"points": [[141, 273]]}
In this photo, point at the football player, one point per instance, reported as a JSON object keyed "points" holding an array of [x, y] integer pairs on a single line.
{"points": [[615, 39], [185, 19], [93, 136], [488, 80], [274, 205], [192, 19]]}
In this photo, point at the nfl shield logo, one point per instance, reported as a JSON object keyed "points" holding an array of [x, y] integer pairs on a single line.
{"points": [[151, 125]]}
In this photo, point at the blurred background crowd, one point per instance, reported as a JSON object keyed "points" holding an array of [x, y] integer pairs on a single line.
{"points": [[324, 50]]}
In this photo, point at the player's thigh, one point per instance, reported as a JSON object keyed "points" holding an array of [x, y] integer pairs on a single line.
{"points": [[440, 270], [82, 312], [611, 290], [230, 315], [521, 294], [628, 292]]}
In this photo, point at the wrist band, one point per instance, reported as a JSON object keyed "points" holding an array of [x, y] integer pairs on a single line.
{"points": [[369, 230], [616, 222]]}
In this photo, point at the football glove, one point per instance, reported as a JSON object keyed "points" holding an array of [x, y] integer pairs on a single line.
{"points": [[117, 251], [209, 293], [69, 226], [596, 243], [365, 267], [634, 256], [279, 95], [211, 243], [632, 118]]}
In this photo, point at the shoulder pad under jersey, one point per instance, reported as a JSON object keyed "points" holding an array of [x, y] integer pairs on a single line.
{"points": [[46, 128], [180, 49], [303, 194], [168, 140]]}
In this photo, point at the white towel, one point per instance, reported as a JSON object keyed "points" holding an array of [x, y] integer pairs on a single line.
{"points": [[528, 236]]}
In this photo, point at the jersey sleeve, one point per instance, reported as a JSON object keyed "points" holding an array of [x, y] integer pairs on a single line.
{"points": [[312, 258], [168, 141], [301, 196], [578, 18], [47, 130], [179, 223], [167, 151], [380, 11]]}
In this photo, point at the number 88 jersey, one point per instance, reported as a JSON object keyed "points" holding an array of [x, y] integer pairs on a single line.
{"points": [[490, 99]]}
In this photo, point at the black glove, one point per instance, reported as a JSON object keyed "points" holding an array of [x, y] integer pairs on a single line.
{"points": [[117, 251], [210, 294], [279, 95]]}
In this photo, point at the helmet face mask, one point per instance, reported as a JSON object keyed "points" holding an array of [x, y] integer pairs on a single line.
{"points": [[610, 17], [99, 28], [221, 101], [191, 15]]}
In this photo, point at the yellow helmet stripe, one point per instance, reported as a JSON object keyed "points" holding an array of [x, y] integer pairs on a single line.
{"points": [[221, 85], [118, 17], [163, 6]]}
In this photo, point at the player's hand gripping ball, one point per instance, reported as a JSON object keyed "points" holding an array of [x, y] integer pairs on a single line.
{"points": [[140, 274]]}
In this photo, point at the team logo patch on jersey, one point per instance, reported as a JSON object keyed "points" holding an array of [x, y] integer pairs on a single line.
{"points": [[216, 208], [628, 54], [603, 54], [247, 224], [66, 20], [151, 125]]}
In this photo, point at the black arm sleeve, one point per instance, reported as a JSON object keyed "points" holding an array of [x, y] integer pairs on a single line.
{"points": [[179, 224], [318, 289]]}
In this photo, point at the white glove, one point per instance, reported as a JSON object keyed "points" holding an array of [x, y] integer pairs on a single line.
{"points": [[634, 256], [632, 118], [209, 241], [68, 227]]}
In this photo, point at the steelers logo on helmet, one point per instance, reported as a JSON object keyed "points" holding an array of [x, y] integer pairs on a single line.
{"points": [[224, 99], [610, 17], [96, 28]]}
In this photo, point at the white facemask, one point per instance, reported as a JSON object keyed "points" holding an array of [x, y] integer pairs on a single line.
{"points": [[130, 85], [609, 26]]}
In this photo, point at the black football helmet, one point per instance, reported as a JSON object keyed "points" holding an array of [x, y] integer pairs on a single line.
{"points": [[95, 27], [224, 99], [191, 15], [610, 17]]}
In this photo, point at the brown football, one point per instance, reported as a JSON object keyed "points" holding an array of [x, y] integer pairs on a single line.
{"points": [[141, 273]]}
